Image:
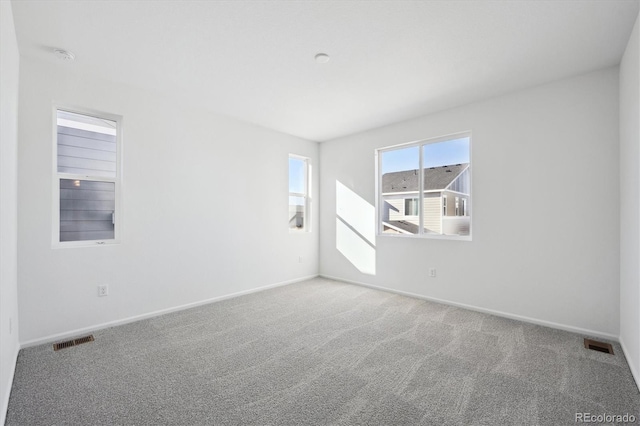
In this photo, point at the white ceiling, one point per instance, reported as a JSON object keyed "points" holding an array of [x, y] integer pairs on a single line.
{"points": [[390, 60]]}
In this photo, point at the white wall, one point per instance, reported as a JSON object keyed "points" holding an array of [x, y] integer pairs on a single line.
{"points": [[9, 67], [550, 260], [629, 204], [205, 209]]}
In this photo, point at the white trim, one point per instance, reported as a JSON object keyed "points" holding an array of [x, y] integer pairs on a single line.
{"points": [[388, 225], [634, 372], [428, 236], [420, 191], [444, 138], [389, 195], [5, 403], [444, 206], [400, 195], [522, 318], [378, 187], [96, 327], [454, 192], [85, 126]]}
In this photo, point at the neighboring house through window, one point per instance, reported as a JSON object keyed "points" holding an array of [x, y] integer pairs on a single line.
{"points": [[87, 178], [425, 188], [299, 199]]}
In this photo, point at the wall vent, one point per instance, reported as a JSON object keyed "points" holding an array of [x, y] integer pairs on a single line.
{"points": [[69, 343], [594, 345]]}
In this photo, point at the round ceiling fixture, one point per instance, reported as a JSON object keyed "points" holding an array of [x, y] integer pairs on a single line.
{"points": [[64, 55], [322, 58]]}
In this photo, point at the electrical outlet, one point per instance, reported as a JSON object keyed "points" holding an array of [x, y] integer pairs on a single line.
{"points": [[103, 290], [432, 272]]}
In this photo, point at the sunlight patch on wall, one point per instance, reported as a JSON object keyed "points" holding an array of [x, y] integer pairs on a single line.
{"points": [[355, 229]]}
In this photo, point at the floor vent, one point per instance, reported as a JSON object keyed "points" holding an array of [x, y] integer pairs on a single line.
{"points": [[594, 345], [69, 343]]}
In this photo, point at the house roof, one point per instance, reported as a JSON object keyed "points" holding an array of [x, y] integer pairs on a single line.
{"points": [[435, 178], [403, 225]]}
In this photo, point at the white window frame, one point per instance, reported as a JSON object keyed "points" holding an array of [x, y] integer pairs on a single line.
{"points": [[56, 177], [306, 227], [378, 188], [413, 201]]}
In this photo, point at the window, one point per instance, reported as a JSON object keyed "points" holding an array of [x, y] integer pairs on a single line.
{"points": [[424, 188], [411, 207], [299, 197], [87, 178]]}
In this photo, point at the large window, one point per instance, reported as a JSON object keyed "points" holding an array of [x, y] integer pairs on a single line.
{"points": [[87, 178], [424, 188], [299, 194]]}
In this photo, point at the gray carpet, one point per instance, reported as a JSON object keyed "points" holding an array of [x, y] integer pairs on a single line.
{"points": [[322, 352]]}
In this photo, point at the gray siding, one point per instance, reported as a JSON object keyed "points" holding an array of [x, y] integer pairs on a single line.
{"points": [[86, 153], [86, 210]]}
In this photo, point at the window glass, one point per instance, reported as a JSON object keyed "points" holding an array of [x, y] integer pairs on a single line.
{"points": [[299, 180], [86, 145], [425, 188], [87, 210], [88, 177], [399, 182]]}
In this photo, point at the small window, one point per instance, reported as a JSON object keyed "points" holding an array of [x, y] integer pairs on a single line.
{"points": [[424, 188], [299, 199], [87, 178], [411, 207]]}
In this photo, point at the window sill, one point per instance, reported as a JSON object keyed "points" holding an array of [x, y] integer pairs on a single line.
{"points": [[78, 244], [427, 237]]}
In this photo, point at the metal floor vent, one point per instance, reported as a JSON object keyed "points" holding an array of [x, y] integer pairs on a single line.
{"points": [[594, 345], [69, 343]]}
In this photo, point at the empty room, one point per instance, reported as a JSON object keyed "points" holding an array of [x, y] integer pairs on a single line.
{"points": [[319, 212]]}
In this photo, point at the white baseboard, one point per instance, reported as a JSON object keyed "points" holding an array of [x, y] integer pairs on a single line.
{"points": [[590, 333], [632, 366], [96, 327], [5, 403]]}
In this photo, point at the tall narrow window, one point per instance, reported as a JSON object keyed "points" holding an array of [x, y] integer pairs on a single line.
{"points": [[425, 188], [299, 199], [87, 180]]}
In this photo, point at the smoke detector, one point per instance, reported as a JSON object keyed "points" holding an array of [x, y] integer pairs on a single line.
{"points": [[322, 58], [64, 55]]}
